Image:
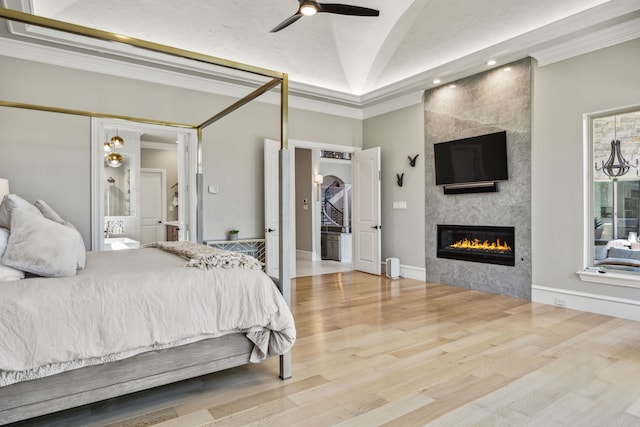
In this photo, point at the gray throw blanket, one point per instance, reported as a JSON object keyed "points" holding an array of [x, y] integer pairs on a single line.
{"points": [[205, 257]]}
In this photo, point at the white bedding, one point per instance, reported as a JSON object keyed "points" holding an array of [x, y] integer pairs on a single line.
{"points": [[147, 300]]}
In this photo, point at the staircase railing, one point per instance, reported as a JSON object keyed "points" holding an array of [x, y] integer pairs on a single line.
{"points": [[331, 215]]}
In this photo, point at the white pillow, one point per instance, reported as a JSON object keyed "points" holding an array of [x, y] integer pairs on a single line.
{"points": [[11, 202], [81, 249], [7, 273], [4, 238], [40, 246], [48, 212]]}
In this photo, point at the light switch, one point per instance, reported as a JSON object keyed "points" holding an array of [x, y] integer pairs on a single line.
{"points": [[214, 189]]}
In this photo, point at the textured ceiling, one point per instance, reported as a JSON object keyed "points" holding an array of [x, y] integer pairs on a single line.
{"points": [[353, 55]]}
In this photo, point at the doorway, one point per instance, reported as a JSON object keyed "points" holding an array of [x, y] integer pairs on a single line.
{"points": [[322, 211], [153, 203], [169, 151], [366, 204]]}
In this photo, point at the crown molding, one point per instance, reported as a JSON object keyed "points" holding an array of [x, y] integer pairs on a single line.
{"points": [[610, 36], [203, 83], [613, 20], [392, 104], [605, 25]]}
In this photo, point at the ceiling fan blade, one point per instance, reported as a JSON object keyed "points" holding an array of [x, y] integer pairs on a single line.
{"points": [[284, 24], [345, 9]]}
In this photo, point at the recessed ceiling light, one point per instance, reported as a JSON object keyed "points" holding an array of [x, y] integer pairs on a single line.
{"points": [[507, 68], [491, 62], [436, 81], [452, 86]]}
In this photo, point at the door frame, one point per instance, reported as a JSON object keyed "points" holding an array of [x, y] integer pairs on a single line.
{"points": [[315, 204], [187, 140]]}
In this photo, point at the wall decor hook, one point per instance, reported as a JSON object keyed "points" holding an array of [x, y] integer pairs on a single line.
{"points": [[412, 160], [399, 179]]}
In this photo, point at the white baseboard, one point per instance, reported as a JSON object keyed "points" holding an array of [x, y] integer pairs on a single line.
{"points": [[409, 272], [305, 255], [593, 303]]}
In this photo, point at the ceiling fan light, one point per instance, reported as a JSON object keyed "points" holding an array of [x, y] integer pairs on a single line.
{"points": [[308, 8], [114, 160]]}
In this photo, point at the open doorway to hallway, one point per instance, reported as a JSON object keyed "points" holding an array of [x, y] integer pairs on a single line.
{"points": [[322, 211]]}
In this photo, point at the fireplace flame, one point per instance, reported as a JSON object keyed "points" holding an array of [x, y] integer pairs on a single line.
{"points": [[476, 244]]}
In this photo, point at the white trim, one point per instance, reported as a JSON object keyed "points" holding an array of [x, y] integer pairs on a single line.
{"points": [[394, 103], [627, 280], [97, 202], [590, 273], [408, 272], [158, 146], [606, 37], [304, 255], [411, 272], [592, 303]]}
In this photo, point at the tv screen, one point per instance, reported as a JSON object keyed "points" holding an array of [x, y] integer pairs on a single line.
{"points": [[477, 159]]}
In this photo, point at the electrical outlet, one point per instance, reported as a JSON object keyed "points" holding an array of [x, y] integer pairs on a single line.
{"points": [[399, 205], [560, 302]]}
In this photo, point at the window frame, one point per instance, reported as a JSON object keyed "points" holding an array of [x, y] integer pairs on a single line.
{"points": [[591, 273]]}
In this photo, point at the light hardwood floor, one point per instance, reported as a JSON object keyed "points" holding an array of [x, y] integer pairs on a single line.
{"points": [[373, 351], [306, 267]]}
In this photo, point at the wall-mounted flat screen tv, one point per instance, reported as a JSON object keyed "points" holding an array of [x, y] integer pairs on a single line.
{"points": [[478, 159]]}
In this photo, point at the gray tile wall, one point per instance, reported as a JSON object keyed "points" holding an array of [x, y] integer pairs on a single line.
{"points": [[488, 102]]}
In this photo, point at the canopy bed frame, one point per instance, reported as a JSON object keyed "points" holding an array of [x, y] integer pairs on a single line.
{"points": [[94, 383]]}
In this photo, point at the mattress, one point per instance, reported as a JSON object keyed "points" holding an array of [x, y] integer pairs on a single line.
{"points": [[127, 302]]}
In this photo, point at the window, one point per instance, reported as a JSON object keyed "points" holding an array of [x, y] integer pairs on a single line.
{"points": [[616, 190]]}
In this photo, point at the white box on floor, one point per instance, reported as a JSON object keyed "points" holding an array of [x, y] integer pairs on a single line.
{"points": [[393, 268]]}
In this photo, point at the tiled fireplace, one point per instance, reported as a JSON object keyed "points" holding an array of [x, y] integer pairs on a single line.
{"points": [[480, 104], [491, 245]]}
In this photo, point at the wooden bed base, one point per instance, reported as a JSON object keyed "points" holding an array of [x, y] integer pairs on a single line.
{"points": [[91, 384]]}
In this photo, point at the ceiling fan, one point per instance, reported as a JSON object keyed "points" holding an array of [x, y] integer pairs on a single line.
{"points": [[311, 7]]}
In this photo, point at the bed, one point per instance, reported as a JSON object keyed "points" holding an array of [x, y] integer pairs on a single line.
{"points": [[127, 320], [161, 364]]}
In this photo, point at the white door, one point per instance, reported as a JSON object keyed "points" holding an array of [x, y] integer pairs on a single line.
{"points": [[152, 204], [367, 230], [271, 207]]}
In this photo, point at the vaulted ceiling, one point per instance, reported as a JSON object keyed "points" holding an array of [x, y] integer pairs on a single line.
{"points": [[409, 45]]}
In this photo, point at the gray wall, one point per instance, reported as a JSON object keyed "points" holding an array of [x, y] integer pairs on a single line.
{"points": [[232, 147], [304, 190], [46, 156], [563, 92], [400, 134], [488, 102]]}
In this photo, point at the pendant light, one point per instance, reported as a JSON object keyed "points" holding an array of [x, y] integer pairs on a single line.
{"points": [[616, 165], [112, 157]]}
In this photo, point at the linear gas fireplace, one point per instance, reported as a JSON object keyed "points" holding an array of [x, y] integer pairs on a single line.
{"points": [[492, 245]]}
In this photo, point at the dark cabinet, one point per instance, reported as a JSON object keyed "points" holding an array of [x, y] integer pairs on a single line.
{"points": [[172, 233]]}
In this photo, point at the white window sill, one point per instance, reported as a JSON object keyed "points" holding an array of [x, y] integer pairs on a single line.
{"points": [[628, 280]]}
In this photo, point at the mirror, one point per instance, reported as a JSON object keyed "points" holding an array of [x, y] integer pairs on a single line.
{"points": [[118, 200]]}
